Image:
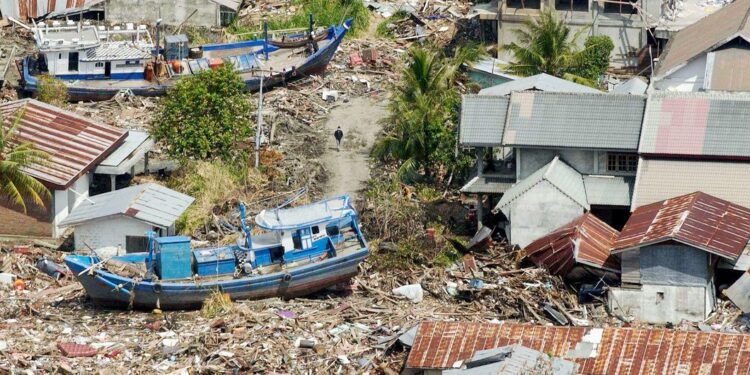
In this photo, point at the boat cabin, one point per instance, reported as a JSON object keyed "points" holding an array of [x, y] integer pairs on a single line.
{"points": [[78, 51]]}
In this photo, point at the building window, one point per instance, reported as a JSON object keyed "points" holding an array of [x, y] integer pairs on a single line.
{"points": [[622, 162], [620, 6], [524, 4], [572, 5], [226, 16]]}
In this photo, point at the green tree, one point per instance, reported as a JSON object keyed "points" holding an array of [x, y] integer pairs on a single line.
{"points": [[52, 91], [205, 116], [424, 111], [15, 156], [547, 45]]}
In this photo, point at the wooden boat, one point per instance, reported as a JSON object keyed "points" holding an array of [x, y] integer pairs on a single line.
{"points": [[296, 40], [303, 250], [97, 63]]}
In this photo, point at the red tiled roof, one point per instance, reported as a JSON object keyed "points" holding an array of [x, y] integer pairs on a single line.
{"points": [[438, 345], [698, 219], [75, 143], [586, 240]]}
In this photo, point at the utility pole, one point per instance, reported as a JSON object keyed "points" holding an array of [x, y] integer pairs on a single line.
{"points": [[259, 127]]}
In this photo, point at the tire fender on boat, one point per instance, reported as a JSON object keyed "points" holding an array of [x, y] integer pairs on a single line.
{"points": [[157, 288], [287, 277]]}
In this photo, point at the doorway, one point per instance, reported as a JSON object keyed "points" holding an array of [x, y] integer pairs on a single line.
{"points": [[108, 69]]}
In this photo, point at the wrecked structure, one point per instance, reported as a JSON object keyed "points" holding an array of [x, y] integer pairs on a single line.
{"points": [[669, 251], [211, 13]]}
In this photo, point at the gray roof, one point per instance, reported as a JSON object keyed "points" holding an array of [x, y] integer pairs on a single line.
{"points": [[635, 85], [608, 190], [562, 176], [150, 203], [482, 120], [590, 121], [133, 150], [488, 185], [177, 38], [697, 124], [116, 51], [539, 82], [492, 65], [513, 360]]}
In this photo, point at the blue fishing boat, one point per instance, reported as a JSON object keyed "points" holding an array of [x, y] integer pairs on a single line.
{"points": [[301, 250], [96, 62]]}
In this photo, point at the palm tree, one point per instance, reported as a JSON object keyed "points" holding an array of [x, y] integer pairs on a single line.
{"points": [[16, 155], [546, 45]]}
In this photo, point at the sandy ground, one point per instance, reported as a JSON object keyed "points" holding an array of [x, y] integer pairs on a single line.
{"points": [[359, 119]]}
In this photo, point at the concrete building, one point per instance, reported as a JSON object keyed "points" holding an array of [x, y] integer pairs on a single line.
{"points": [[442, 346], [121, 218], [75, 145], [711, 55], [207, 13], [572, 153], [669, 251], [694, 142]]}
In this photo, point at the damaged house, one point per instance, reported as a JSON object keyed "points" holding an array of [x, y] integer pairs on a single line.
{"points": [[669, 251], [206, 13]]}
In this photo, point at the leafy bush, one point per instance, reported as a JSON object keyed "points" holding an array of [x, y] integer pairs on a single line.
{"points": [[205, 116], [52, 91], [383, 30], [594, 59]]}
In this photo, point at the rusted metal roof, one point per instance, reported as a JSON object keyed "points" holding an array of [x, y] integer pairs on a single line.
{"points": [[698, 219], [586, 240], [597, 351], [75, 143], [33, 9], [705, 35]]}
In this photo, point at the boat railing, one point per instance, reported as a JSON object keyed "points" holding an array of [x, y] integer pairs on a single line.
{"points": [[273, 34]]}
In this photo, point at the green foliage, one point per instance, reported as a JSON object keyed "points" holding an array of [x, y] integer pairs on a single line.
{"points": [[15, 155], [423, 115], [546, 45], [594, 58], [325, 13], [52, 91], [205, 116], [383, 30]]}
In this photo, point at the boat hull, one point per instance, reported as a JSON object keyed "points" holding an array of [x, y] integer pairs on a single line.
{"points": [[101, 285]]}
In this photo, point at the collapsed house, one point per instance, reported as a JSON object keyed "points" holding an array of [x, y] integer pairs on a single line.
{"points": [[194, 12], [121, 218], [440, 347], [668, 253], [712, 54]]}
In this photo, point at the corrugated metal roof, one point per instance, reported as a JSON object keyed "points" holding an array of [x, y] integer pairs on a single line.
{"points": [[586, 240], [705, 35], [698, 219], [482, 120], [728, 70], [26, 9], [119, 51], [635, 85], [559, 174], [590, 121], [136, 145], [614, 351], [608, 190], [539, 82], [662, 179], [150, 203], [697, 124], [488, 185], [514, 360], [75, 143]]}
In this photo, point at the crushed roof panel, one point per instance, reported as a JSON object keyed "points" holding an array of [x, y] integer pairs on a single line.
{"points": [[75, 143], [116, 51], [586, 240], [608, 190], [635, 85], [482, 120], [708, 33], [728, 70], [698, 219], [696, 124], [488, 185], [590, 121], [539, 82], [662, 179], [151, 203], [613, 351]]}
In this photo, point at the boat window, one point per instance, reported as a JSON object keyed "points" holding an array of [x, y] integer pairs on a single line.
{"points": [[99, 65], [315, 230], [73, 61], [59, 56]]}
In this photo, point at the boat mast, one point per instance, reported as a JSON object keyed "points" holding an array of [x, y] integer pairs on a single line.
{"points": [[259, 127]]}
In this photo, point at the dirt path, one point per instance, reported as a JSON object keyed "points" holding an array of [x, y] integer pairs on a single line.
{"points": [[349, 168]]}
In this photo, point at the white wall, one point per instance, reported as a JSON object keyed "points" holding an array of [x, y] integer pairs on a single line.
{"points": [[686, 79], [647, 305], [63, 198], [108, 232], [539, 211]]}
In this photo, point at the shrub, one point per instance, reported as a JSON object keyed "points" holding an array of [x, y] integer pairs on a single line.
{"points": [[52, 91], [383, 30], [594, 59], [205, 117]]}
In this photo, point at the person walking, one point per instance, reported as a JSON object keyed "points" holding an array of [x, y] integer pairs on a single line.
{"points": [[338, 134]]}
